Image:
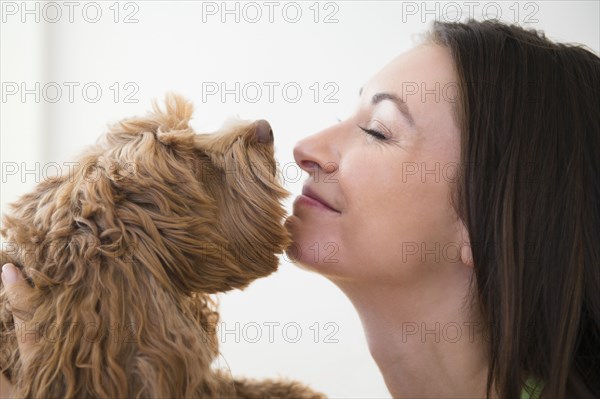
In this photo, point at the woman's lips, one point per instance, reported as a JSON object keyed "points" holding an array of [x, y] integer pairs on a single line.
{"points": [[310, 198]]}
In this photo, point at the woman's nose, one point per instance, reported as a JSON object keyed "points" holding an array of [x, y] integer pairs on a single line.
{"points": [[316, 153]]}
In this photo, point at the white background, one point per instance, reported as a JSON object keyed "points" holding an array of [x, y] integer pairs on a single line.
{"points": [[182, 46]]}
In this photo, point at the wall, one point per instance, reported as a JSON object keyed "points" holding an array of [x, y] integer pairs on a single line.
{"points": [[150, 47]]}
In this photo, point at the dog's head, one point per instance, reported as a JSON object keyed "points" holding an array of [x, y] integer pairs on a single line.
{"points": [[214, 198], [201, 212]]}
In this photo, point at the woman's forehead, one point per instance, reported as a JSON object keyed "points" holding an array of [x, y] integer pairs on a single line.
{"points": [[423, 68], [423, 79]]}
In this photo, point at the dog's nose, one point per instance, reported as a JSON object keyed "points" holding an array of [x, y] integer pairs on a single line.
{"points": [[264, 133]]}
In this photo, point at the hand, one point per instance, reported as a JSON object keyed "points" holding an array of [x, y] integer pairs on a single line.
{"points": [[17, 290]]}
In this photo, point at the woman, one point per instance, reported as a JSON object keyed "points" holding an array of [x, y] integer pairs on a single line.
{"points": [[462, 201]]}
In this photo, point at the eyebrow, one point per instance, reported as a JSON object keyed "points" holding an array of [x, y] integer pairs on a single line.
{"points": [[399, 102]]}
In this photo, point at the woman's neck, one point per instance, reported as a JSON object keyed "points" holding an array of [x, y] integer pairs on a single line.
{"points": [[422, 337]]}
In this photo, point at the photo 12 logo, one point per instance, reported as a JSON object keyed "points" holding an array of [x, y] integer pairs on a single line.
{"points": [[290, 332], [453, 11], [53, 92], [269, 92], [69, 11], [270, 11]]}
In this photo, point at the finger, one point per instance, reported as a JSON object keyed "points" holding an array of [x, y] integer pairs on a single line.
{"points": [[5, 387], [17, 291], [19, 294]]}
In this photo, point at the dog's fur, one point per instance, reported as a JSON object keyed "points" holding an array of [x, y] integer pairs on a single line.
{"points": [[124, 251]]}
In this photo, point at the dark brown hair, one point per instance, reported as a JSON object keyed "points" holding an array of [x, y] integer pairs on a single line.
{"points": [[529, 195]]}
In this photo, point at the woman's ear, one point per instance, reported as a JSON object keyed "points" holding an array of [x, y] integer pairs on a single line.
{"points": [[466, 255]]}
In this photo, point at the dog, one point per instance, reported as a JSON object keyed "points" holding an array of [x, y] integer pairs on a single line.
{"points": [[124, 252]]}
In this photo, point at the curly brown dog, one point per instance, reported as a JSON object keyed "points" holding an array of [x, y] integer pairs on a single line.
{"points": [[124, 252]]}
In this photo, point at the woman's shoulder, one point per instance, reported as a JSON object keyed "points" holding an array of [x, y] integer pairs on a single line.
{"points": [[532, 389]]}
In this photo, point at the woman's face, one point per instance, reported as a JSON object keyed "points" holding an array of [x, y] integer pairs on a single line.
{"points": [[391, 218]]}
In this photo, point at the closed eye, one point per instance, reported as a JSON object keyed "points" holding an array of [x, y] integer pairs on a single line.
{"points": [[374, 133]]}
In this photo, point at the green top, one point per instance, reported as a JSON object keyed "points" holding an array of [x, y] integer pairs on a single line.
{"points": [[532, 389]]}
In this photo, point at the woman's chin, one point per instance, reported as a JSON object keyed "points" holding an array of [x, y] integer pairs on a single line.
{"points": [[310, 250], [304, 256], [297, 254]]}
